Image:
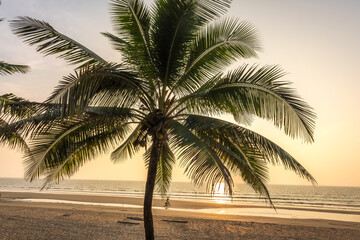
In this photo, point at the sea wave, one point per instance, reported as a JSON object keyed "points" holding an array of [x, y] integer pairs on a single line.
{"points": [[342, 198]]}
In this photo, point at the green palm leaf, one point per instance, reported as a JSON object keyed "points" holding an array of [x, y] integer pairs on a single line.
{"points": [[35, 119], [7, 68], [6, 100], [65, 141], [128, 148], [12, 139], [164, 167], [174, 28], [201, 162], [78, 154], [261, 148], [217, 46], [8, 135], [50, 41], [98, 86], [258, 92], [243, 161], [131, 21]]}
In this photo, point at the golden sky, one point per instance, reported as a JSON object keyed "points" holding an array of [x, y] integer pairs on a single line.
{"points": [[316, 42]]}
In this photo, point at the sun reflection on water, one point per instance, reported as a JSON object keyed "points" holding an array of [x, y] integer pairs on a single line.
{"points": [[220, 194]]}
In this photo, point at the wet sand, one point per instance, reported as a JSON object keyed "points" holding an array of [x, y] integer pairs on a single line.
{"points": [[43, 220]]}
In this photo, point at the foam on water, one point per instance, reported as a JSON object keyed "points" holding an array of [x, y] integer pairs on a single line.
{"points": [[321, 197]]}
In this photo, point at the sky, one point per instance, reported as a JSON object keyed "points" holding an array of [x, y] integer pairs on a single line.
{"points": [[316, 42]]}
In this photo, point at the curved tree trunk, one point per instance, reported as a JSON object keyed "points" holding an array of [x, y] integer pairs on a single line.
{"points": [[149, 190]]}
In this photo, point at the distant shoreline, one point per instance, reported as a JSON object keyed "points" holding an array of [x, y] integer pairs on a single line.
{"points": [[143, 181]]}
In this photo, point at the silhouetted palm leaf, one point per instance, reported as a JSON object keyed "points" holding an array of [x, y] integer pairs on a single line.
{"points": [[259, 92], [50, 41], [8, 112], [7, 68]]}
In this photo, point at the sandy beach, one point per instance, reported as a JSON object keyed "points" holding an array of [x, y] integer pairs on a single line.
{"points": [[22, 219]]}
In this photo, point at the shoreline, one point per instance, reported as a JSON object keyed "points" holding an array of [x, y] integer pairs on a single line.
{"points": [[284, 196], [45, 220], [182, 205]]}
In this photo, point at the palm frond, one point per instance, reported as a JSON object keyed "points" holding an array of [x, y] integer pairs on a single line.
{"points": [[35, 119], [8, 135], [142, 65], [106, 86], [131, 21], [7, 68], [258, 92], [174, 26], [201, 162], [80, 153], [120, 113], [47, 115], [74, 141], [245, 142], [210, 10], [164, 167], [49, 42], [117, 42], [128, 148], [6, 100], [170, 35], [242, 160], [12, 139], [218, 45], [14, 108]]}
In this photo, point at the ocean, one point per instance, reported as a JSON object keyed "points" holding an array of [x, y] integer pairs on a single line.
{"points": [[316, 197]]}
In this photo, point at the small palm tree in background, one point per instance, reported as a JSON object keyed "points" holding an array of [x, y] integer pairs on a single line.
{"points": [[12, 139], [7, 68], [164, 96]]}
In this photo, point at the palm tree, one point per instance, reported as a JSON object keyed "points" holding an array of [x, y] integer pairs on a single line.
{"points": [[165, 97]]}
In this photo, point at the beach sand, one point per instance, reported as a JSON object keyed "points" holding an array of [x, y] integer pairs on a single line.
{"points": [[43, 220]]}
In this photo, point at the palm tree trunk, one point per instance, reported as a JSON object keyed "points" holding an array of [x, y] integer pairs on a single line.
{"points": [[149, 190]]}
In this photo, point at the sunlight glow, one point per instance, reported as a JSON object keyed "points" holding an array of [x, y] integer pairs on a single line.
{"points": [[219, 189], [220, 194]]}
